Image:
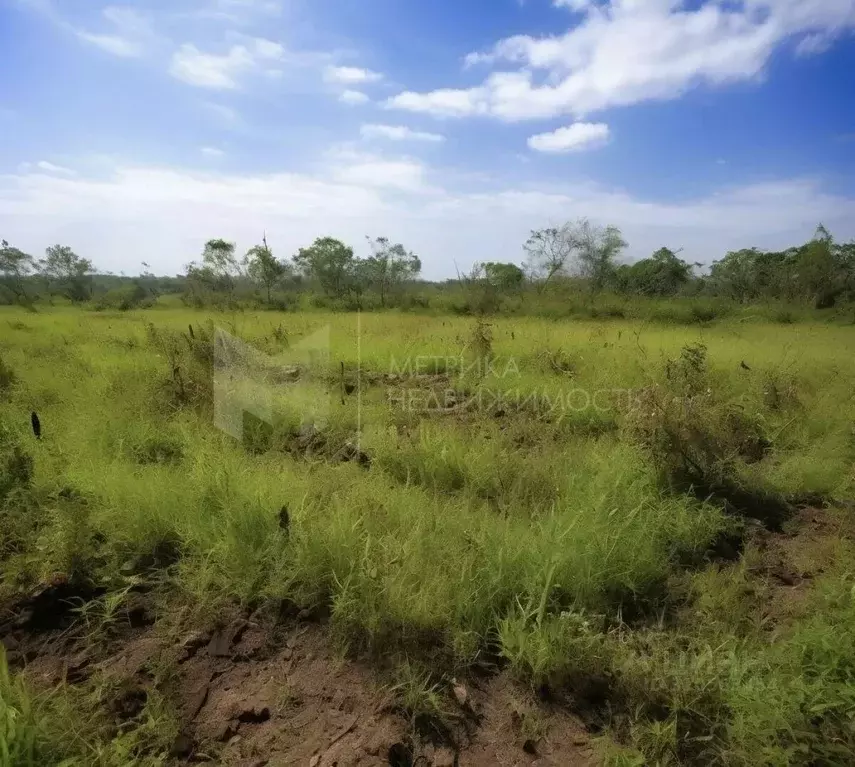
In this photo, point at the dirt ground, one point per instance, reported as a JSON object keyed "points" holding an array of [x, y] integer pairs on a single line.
{"points": [[262, 692], [255, 694]]}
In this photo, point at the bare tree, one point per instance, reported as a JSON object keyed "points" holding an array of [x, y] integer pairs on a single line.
{"points": [[548, 252]]}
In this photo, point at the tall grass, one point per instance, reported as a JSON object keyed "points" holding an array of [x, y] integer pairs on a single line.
{"points": [[512, 531]]}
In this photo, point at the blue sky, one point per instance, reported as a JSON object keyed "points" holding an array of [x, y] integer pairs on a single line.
{"points": [[135, 132]]}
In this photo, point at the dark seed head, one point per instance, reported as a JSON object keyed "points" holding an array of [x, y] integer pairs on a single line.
{"points": [[284, 519], [37, 425]]}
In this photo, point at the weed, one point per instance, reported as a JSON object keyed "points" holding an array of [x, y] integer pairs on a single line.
{"points": [[7, 378], [420, 699]]}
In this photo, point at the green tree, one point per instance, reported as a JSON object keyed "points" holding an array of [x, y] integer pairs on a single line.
{"points": [[15, 266], [597, 249], [64, 269], [329, 261], [390, 265], [361, 275], [219, 257], [504, 277], [736, 275], [819, 275], [663, 274], [216, 273], [263, 268], [548, 252]]}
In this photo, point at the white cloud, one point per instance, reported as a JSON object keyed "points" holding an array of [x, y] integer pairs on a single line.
{"points": [[350, 75], [118, 46], [44, 165], [627, 51], [363, 169], [243, 10], [353, 97], [579, 6], [132, 31], [351, 194], [224, 71], [398, 133], [211, 151], [273, 7], [574, 138], [445, 102], [815, 43], [127, 20], [225, 115]]}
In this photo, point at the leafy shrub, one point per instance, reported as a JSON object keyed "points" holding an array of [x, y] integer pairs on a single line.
{"points": [[703, 313], [125, 298], [190, 362], [698, 441], [413, 301]]}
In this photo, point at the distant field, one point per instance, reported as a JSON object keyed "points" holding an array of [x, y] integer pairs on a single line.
{"points": [[592, 509]]}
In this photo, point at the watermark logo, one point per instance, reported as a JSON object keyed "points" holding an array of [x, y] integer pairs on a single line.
{"points": [[249, 380]]}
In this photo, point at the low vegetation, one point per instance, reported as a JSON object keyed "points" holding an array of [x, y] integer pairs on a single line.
{"points": [[627, 489]]}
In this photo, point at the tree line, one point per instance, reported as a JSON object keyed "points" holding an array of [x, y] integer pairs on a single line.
{"points": [[579, 253]]}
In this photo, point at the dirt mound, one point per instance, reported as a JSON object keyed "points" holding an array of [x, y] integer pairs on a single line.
{"points": [[256, 692], [790, 560], [303, 704]]}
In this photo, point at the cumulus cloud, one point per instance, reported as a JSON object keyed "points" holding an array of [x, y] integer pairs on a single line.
{"points": [[398, 133], [363, 169], [103, 216], [624, 52], [353, 97], [130, 31], [224, 71], [574, 138], [118, 46], [44, 165], [350, 75], [211, 151]]}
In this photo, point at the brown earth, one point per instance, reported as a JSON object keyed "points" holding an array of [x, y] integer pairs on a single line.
{"points": [[266, 693], [786, 563]]}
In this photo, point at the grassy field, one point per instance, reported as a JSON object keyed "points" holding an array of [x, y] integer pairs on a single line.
{"points": [[588, 505]]}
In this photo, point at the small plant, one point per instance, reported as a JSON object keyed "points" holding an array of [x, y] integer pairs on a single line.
{"points": [[703, 314], [280, 335], [67, 543], [16, 470], [101, 615], [481, 342], [698, 441], [420, 698], [158, 450], [558, 361], [780, 392], [190, 361], [7, 378]]}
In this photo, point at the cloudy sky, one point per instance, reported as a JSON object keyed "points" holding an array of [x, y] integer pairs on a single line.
{"points": [[135, 132]]}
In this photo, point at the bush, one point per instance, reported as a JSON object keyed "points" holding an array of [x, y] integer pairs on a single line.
{"points": [[699, 442], [125, 298], [190, 361]]}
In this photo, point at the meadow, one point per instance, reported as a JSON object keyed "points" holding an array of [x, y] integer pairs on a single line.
{"points": [[645, 524]]}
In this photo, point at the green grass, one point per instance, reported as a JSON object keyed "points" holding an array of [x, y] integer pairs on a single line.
{"points": [[530, 528], [69, 727]]}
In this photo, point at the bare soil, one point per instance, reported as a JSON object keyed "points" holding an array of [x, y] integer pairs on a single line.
{"points": [[259, 693]]}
